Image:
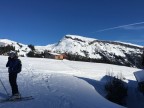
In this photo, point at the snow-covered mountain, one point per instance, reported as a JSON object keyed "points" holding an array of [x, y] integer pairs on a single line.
{"points": [[21, 48], [89, 49], [99, 51]]}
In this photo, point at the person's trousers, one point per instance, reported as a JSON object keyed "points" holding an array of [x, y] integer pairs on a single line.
{"points": [[13, 83]]}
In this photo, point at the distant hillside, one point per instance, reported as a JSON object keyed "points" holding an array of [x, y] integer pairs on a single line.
{"points": [[88, 49]]}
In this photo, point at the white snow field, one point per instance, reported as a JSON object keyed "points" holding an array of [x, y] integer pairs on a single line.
{"points": [[67, 84]]}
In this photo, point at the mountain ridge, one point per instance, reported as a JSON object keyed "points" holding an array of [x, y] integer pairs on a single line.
{"points": [[90, 49]]}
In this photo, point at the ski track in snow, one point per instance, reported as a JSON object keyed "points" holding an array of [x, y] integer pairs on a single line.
{"points": [[63, 101]]}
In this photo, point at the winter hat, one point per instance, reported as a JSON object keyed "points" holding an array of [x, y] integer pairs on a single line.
{"points": [[12, 54]]}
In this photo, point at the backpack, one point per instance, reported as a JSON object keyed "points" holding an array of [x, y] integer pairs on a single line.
{"points": [[143, 59], [19, 66]]}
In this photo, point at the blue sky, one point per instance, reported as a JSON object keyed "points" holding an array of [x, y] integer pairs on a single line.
{"points": [[42, 22]]}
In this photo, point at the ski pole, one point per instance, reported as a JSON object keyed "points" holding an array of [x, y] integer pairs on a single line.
{"points": [[4, 87]]}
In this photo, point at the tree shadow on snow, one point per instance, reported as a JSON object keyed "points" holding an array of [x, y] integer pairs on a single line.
{"points": [[98, 85], [134, 96]]}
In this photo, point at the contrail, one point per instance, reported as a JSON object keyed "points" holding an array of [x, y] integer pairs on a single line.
{"points": [[120, 26]]}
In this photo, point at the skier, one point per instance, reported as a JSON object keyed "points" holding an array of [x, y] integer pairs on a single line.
{"points": [[14, 67]]}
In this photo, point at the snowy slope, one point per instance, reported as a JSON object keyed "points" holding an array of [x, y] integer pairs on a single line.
{"points": [[67, 84], [23, 49], [77, 44], [43, 48]]}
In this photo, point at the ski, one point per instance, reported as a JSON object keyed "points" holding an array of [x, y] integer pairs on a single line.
{"points": [[16, 100]]}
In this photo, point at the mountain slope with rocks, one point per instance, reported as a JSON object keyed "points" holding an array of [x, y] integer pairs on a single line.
{"points": [[88, 49]]}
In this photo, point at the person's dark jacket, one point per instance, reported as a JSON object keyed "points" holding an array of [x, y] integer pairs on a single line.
{"points": [[14, 65], [143, 59]]}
